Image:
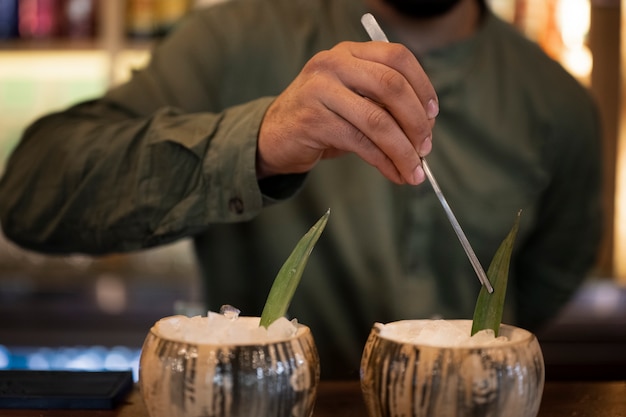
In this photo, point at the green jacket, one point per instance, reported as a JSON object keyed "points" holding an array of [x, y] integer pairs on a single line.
{"points": [[171, 155]]}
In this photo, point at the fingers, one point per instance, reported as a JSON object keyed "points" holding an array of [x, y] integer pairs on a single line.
{"points": [[375, 136], [388, 98], [373, 99], [402, 88]]}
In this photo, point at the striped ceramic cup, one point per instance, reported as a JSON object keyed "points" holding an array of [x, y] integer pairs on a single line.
{"points": [[183, 379], [401, 376]]}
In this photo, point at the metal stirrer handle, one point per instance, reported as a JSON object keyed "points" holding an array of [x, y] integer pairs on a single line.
{"points": [[457, 229], [377, 34]]}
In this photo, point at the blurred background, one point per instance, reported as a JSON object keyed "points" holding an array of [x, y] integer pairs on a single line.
{"points": [[85, 313]]}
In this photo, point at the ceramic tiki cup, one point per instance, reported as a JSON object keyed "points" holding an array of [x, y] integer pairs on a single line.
{"points": [[185, 379], [403, 378]]}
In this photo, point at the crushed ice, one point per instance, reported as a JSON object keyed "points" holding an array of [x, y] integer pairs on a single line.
{"points": [[226, 327], [230, 312], [443, 333]]}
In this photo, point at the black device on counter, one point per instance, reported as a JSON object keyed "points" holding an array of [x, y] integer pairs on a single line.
{"points": [[25, 389]]}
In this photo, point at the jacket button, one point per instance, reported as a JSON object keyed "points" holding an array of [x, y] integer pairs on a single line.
{"points": [[235, 205]]}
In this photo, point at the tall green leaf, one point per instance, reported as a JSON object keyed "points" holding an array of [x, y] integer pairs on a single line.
{"points": [[489, 307], [288, 277]]}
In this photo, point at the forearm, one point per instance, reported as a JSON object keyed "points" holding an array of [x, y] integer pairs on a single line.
{"points": [[96, 179]]}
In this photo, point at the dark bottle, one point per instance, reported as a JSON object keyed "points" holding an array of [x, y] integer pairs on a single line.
{"points": [[40, 18], [79, 18], [8, 19]]}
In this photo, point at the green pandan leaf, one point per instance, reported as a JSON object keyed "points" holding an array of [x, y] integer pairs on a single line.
{"points": [[288, 277], [489, 307]]}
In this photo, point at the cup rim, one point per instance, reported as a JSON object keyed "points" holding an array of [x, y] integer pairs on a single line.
{"points": [[301, 330], [520, 335]]}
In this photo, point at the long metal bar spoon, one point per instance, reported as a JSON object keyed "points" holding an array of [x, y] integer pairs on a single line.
{"points": [[376, 34]]}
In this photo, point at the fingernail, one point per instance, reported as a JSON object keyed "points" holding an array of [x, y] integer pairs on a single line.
{"points": [[432, 109], [426, 146], [418, 175]]}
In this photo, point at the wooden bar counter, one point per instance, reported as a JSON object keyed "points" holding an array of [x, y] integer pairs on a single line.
{"points": [[343, 399]]}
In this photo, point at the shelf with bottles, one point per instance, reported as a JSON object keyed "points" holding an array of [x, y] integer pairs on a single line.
{"points": [[47, 23], [87, 24]]}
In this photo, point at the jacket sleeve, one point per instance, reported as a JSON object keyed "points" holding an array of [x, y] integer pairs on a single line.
{"points": [[154, 160]]}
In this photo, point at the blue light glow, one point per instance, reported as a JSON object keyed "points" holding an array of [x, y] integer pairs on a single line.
{"points": [[86, 358]]}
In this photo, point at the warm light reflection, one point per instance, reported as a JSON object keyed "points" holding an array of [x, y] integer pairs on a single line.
{"points": [[619, 241], [111, 293], [126, 62], [503, 8], [560, 27], [54, 65], [573, 18], [620, 198]]}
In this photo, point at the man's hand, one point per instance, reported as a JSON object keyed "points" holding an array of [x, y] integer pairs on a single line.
{"points": [[371, 98]]}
